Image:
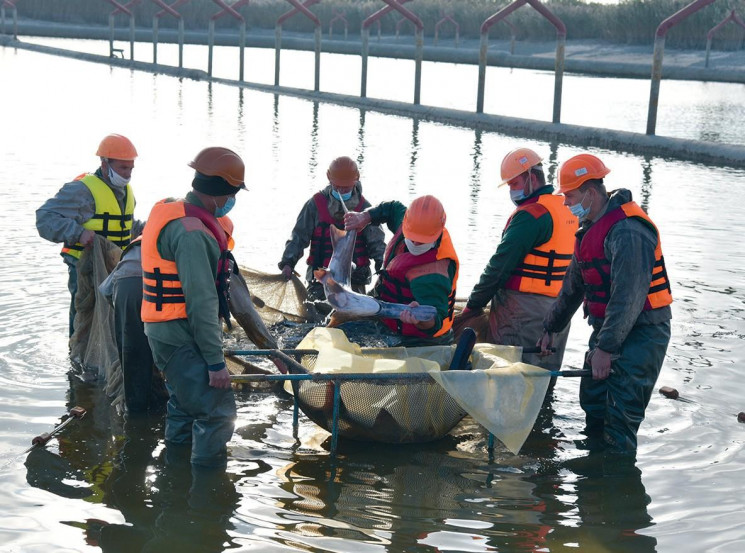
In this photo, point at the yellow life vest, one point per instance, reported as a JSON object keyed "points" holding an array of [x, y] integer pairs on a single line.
{"points": [[108, 219]]}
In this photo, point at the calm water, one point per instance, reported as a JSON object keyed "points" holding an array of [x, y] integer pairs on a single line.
{"points": [[104, 486]]}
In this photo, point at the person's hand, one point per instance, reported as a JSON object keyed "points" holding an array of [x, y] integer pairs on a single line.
{"points": [[407, 316], [220, 379], [545, 342], [356, 221], [600, 361], [86, 237], [287, 272]]}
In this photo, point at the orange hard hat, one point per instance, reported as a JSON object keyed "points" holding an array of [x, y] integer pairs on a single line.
{"points": [[578, 169], [220, 162], [517, 162], [116, 146], [424, 220], [343, 171]]}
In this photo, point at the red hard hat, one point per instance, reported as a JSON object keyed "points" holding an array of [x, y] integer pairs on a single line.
{"points": [[343, 171]]}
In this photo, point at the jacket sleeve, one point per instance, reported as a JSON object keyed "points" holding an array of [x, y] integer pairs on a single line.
{"points": [[392, 213], [570, 298], [307, 220], [196, 253], [434, 289], [630, 246], [61, 218], [524, 233]]}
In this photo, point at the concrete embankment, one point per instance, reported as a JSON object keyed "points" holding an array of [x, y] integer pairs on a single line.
{"points": [[588, 57], [635, 143]]}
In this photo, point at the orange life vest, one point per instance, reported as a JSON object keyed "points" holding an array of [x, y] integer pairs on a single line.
{"points": [[542, 270], [162, 295]]}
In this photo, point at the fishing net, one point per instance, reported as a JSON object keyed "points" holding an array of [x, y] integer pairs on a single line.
{"points": [[500, 392], [277, 299], [93, 343]]}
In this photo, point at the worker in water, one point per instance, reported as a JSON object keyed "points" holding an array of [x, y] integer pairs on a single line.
{"points": [[420, 267], [186, 266], [524, 275], [327, 207], [93, 203], [619, 273]]}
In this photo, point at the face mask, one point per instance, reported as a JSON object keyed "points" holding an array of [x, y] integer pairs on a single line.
{"points": [[222, 211], [580, 212], [341, 197], [418, 249], [517, 196], [117, 181]]}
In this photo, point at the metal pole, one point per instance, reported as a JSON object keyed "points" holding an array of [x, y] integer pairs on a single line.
{"points": [[210, 46], [132, 37], [155, 40], [418, 66], [15, 23], [558, 78], [482, 72], [242, 47], [2, 18], [365, 50], [277, 49], [111, 35], [318, 60], [708, 49], [335, 421], [181, 42], [654, 93]]}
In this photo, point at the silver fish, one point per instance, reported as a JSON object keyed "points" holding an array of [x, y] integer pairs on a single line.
{"points": [[351, 305]]}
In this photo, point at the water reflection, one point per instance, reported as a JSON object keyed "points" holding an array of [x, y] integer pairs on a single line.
{"points": [[122, 464]]}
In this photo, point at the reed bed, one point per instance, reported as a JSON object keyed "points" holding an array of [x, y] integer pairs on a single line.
{"points": [[628, 22]]}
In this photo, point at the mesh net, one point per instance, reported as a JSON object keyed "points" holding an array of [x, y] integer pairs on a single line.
{"points": [[93, 344], [277, 299], [501, 393]]}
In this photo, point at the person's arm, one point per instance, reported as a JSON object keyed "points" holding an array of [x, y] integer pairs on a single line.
{"points": [[630, 248], [391, 213], [307, 220], [433, 288], [61, 218], [195, 251], [524, 233]]}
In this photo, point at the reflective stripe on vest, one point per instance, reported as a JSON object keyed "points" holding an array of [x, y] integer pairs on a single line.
{"points": [[393, 284], [543, 269], [595, 268], [319, 254], [108, 220], [162, 295]]}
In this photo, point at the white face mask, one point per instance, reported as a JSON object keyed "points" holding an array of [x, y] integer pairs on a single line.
{"points": [[415, 249], [117, 181]]}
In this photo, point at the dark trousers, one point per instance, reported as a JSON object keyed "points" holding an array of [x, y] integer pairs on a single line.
{"points": [[143, 387], [615, 406]]}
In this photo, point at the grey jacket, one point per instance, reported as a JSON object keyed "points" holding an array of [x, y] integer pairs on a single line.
{"points": [[629, 246], [308, 220], [61, 218]]}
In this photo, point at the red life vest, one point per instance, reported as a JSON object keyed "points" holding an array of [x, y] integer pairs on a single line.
{"points": [[394, 286], [543, 268], [320, 251], [162, 295], [595, 268]]}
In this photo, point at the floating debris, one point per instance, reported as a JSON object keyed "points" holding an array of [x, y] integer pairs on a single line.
{"points": [[669, 392]]}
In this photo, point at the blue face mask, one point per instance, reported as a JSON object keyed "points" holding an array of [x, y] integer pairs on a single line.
{"points": [[517, 196], [579, 211], [341, 197], [222, 211]]}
